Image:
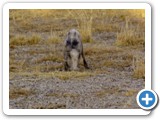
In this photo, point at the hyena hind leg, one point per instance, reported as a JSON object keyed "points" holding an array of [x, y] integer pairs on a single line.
{"points": [[84, 62], [66, 65]]}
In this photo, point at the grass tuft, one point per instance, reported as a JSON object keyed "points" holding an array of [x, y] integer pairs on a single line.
{"points": [[106, 91], [20, 40], [53, 40], [129, 38], [71, 74], [101, 49], [19, 92], [62, 75], [139, 69], [50, 57], [130, 93]]}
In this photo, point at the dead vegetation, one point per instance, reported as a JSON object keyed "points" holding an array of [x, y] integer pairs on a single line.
{"points": [[139, 65], [114, 42], [20, 40], [20, 92], [129, 30], [131, 36]]}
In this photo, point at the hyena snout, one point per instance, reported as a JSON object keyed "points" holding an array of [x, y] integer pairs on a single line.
{"points": [[74, 44]]}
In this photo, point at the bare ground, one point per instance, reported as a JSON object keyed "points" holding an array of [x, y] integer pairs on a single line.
{"points": [[101, 91], [114, 89]]}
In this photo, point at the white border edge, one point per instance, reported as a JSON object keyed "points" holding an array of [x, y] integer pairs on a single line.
{"points": [[8, 111]]}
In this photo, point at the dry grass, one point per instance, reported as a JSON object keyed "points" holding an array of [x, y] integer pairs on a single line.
{"points": [[58, 94], [117, 64], [62, 75], [16, 66], [128, 24], [54, 40], [23, 40], [111, 57], [103, 27], [101, 49], [49, 106], [130, 93], [139, 68], [19, 92], [50, 57], [106, 91], [129, 38], [72, 74], [84, 19], [48, 68]]}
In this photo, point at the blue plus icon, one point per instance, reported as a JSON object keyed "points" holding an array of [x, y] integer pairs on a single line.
{"points": [[147, 99]]}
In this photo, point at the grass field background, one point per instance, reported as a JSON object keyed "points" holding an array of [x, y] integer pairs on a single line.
{"points": [[114, 44]]}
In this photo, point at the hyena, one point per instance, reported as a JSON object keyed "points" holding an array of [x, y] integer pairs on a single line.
{"points": [[73, 51]]}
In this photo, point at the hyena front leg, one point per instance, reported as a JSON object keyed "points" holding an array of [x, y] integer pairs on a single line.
{"points": [[66, 65]]}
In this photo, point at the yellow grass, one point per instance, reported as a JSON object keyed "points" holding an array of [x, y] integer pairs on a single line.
{"points": [[49, 106], [139, 70], [50, 57], [58, 94], [130, 93], [128, 24], [72, 74], [19, 92], [129, 38], [54, 40], [63, 75], [106, 91], [101, 49], [22, 40]]}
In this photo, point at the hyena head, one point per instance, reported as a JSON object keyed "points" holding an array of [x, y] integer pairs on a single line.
{"points": [[73, 39]]}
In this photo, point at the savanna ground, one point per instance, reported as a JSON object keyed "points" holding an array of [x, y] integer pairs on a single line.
{"points": [[114, 49]]}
